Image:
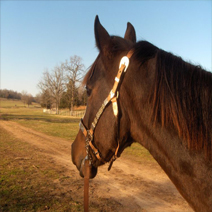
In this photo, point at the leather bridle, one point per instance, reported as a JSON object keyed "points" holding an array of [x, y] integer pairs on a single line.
{"points": [[112, 97], [89, 133]]}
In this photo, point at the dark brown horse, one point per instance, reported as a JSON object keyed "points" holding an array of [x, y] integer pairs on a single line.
{"points": [[163, 103]]}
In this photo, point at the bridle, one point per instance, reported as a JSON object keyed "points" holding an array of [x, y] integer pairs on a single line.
{"points": [[112, 97], [89, 133]]}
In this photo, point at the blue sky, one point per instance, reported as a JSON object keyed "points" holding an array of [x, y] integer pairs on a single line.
{"points": [[38, 35]]}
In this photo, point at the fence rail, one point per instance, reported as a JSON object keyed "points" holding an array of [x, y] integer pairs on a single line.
{"points": [[80, 113], [72, 113]]}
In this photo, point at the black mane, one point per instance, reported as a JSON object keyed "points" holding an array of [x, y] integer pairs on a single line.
{"points": [[181, 96]]}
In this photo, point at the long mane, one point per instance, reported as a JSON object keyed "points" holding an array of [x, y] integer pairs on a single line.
{"points": [[182, 97]]}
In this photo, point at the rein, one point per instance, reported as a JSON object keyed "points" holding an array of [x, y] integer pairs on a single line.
{"points": [[89, 133]]}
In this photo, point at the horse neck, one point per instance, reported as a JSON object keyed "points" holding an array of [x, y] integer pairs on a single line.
{"points": [[188, 170]]}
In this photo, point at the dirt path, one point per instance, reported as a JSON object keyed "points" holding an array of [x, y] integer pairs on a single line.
{"points": [[127, 187]]}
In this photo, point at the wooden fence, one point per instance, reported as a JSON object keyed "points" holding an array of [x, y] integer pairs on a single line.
{"points": [[72, 113], [76, 113]]}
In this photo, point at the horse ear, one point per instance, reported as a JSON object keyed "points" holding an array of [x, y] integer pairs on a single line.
{"points": [[130, 33], [101, 35]]}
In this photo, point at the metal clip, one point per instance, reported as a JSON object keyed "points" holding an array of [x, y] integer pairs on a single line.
{"points": [[115, 107], [112, 94], [124, 61], [86, 158]]}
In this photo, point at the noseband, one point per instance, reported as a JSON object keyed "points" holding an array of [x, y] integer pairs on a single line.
{"points": [[112, 97]]}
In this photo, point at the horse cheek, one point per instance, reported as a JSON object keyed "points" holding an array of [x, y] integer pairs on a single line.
{"points": [[78, 150]]}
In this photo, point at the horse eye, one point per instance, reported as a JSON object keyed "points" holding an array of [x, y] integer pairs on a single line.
{"points": [[88, 90]]}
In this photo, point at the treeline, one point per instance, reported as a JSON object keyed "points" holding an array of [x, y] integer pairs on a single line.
{"points": [[46, 100], [9, 94], [25, 97], [61, 87]]}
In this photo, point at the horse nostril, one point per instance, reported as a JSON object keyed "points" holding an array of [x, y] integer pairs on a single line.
{"points": [[93, 171]]}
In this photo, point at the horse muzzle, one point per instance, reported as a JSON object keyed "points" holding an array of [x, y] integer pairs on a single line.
{"points": [[92, 170]]}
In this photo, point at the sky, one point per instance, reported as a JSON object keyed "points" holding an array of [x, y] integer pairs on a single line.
{"points": [[39, 35]]}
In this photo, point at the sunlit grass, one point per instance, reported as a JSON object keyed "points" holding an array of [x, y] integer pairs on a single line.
{"points": [[8, 103], [62, 130], [138, 152]]}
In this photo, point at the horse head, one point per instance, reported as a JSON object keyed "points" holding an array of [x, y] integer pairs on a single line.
{"points": [[107, 139]]}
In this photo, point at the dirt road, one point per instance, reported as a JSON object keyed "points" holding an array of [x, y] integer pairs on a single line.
{"points": [[127, 187]]}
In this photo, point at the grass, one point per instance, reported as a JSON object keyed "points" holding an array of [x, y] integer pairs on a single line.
{"points": [[8, 103], [33, 117], [137, 153], [57, 129], [29, 181]]}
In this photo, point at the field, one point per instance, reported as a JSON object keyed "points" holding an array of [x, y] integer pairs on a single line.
{"points": [[37, 173], [33, 117], [54, 125]]}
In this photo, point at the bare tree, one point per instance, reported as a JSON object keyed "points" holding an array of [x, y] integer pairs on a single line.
{"points": [[38, 98], [75, 71], [29, 99], [54, 83], [46, 99], [24, 96], [82, 95]]}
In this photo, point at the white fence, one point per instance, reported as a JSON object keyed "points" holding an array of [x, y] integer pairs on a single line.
{"points": [[72, 113], [49, 111], [66, 113]]}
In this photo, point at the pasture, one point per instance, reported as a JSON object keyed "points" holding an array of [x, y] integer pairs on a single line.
{"points": [[37, 173], [33, 117], [54, 125]]}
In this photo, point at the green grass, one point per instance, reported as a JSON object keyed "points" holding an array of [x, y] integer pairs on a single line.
{"points": [[138, 153], [54, 125], [57, 129], [49, 124], [8, 103]]}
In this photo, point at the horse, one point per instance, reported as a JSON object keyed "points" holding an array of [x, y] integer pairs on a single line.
{"points": [[153, 98]]}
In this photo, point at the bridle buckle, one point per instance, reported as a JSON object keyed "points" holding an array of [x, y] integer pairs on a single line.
{"points": [[124, 61]]}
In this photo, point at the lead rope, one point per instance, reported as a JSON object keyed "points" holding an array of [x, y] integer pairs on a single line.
{"points": [[87, 168], [86, 185]]}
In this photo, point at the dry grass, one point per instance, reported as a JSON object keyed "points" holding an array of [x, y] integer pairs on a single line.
{"points": [[31, 182]]}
